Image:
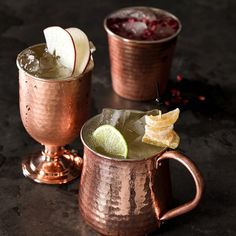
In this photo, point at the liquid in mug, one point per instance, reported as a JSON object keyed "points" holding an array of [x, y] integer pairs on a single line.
{"points": [[131, 124], [67, 53], [142, 24], [38, 62]]}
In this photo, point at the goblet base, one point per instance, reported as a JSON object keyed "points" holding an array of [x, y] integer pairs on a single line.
{"points": [[58, 170]]}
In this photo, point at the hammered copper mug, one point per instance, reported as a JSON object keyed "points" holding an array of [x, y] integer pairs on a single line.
{"points": [[129, 196], [140, 68]]}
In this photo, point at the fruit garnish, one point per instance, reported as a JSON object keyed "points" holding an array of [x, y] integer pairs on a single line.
{"points": [[142, 24], [160, 132], [70, 46], [159, 129], [171, 141], [82, 49], [60, 43], [163, 120], [109, 141]]}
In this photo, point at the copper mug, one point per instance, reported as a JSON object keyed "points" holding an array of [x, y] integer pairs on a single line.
{"points": [[140, 68], [53, 112], [128, 196]]}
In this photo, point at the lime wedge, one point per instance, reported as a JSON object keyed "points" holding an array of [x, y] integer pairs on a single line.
{"points": [[109, 141]]}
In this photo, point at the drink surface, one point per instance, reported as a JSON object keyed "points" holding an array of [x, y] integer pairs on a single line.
{"points": [[37, 61], [131, 124], [142, 24]]}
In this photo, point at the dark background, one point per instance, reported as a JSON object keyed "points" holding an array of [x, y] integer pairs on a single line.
{"points": [[205, 57]]}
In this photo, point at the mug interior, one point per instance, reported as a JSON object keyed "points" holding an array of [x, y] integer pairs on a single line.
{"points": [[39, 49], [157, 10], [87, 131]]}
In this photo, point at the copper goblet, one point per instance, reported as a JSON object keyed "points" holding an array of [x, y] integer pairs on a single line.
{"points": [[53, 112]]}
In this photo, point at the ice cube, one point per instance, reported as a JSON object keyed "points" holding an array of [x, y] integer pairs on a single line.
{"points": [[130, 122], [29, 61], [164, 31], [50, 67], [124, 13], [47, 61], [135, 124], [113, 117], [143, 13], [138, 13], [137, 28], [38, 62]]}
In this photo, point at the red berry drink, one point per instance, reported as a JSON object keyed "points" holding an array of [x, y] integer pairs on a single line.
{"points": [[143, 24]]}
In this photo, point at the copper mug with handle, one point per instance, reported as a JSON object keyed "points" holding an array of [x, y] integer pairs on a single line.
{"points": [[130, 196]]}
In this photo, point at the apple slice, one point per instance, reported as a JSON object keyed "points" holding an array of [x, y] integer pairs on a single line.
{"points": [[82, 49], [60, 43]]}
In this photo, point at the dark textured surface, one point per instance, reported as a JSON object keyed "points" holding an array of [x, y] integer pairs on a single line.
{"points": [[205, 56]]}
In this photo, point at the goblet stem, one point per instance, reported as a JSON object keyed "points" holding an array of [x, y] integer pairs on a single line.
{"points": [[52, 153], [54, 165]]}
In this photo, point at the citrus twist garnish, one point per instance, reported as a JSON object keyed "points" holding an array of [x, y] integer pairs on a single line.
{"points": [[159, 129], [163, 120]]}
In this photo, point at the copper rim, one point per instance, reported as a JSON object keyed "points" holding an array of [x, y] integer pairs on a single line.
{"points": [[69, 78], [106, 157]]}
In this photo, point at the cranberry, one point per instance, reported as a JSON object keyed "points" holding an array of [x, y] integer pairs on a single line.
{"points": [[185, 101], [145, 20], [147, 34], [173, 24], [132, 20], [201, 98], [160, 21], [167, 103], [176, 100], [130, 35], [163, 24], [179, 78], [153, 25], [175, 92]]}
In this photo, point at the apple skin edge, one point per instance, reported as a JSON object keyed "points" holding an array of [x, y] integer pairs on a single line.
{"points": [[75, 61], [71, 45], [82, 54]]}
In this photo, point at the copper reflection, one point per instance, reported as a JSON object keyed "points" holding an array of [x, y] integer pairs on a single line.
{"points": [[53, 112], [130, 197]]}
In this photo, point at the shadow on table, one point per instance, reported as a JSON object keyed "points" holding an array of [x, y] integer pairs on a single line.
{"points": [[187, 94], [196, 95]]}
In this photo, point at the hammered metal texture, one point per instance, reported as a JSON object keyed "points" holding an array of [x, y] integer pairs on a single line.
{"points": [[53, 111], [137, 69], [140, 69], [129, 196], [116, 197]]}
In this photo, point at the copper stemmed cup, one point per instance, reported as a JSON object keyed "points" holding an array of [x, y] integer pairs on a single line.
{"points": [[53, 112]]}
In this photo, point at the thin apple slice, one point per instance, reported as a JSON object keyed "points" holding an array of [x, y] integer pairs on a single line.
{"points": [[60, 43], [82, 49]]}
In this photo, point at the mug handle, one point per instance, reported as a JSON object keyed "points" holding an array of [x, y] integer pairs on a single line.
{"points": [[198, 180]]}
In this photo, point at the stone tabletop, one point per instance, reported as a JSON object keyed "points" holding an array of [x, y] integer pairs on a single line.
{"points": [[205, 59]]}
